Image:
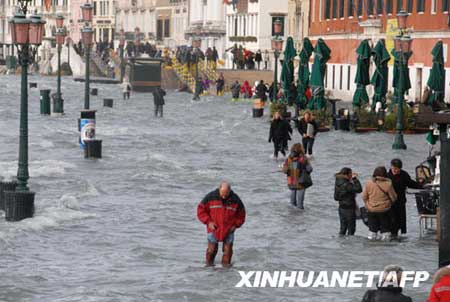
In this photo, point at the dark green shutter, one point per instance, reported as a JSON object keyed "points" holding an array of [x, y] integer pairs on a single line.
{"points": [[388, 6], [379, 7], [360, 7], [327, 9], [420, 5], [350, 8], [409, 7], [335, 9], [399, 5]]}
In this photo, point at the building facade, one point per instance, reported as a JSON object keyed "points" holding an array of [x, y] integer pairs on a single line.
{"points": [[158, 21], [298, 20], [250, 23], [207, 22], [7, 9], [104, 21], [345, 23]]}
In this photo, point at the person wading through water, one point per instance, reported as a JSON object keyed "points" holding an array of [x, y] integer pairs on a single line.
{"points": [[298, 170], [280, 133], [308, 128], [346, 187], [222, 211], [378, 196], [158, 99], [401, 181]]}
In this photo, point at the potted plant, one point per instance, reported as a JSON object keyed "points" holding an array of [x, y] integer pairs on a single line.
{"points": [[367, 120]]}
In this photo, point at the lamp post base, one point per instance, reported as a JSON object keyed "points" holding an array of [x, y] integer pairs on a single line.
{"points": [[6, 186], [93, 149], [399, 143], [19, 205]]}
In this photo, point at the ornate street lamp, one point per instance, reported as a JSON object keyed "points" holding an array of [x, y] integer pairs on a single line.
{"points": [[196, 44], [60, 38], [87, 11], [402, 44], [121, 51], [59, 21], [26, 35], [87, 38], [277, 47], [402, 18]]}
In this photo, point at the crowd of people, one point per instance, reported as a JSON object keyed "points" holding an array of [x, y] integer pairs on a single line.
{"points": [[383, 195], [105, 51], [243, 58]]}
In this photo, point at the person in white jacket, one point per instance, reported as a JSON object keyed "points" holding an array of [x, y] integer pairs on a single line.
{"points": [[126, 89]]}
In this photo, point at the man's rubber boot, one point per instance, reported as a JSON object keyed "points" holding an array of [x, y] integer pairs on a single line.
{"points": [[211, 253], [227, 254]]}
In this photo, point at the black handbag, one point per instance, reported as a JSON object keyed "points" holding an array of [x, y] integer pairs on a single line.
{"points": [[363, 215]]}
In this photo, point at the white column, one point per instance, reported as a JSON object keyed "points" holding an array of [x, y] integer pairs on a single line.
{"points": [[195, 11], [210, 14], [238, 25], [231, 18], [141, 17], [218, 11], [204, 13]]}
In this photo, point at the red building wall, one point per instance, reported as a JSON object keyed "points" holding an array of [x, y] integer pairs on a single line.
{"points": [[342, 35], [418, 21]]}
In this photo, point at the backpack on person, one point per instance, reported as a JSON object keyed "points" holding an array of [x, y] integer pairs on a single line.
{"points": [[339, 195]]}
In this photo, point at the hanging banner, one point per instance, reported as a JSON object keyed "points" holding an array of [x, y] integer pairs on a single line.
{"points": [[391, 32]]}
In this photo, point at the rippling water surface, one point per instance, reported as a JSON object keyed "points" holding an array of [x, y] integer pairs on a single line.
{"points": [[124, 228]]}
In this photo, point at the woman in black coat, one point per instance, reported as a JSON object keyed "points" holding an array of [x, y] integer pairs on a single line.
{"points": [[158, 99], [401, 181], [261, 91], [280, 133]]}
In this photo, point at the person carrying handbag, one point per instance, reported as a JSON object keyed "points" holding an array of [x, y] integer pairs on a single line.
{"points": [[378, 196], [298, 170]]}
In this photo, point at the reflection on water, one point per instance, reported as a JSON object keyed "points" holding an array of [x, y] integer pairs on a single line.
{"points": [[124, 228]]}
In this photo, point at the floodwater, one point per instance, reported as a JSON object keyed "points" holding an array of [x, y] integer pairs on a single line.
{"points": [[124, 228]]}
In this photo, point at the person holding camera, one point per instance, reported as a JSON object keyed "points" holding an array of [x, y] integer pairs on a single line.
{"points": [[346, 187]]}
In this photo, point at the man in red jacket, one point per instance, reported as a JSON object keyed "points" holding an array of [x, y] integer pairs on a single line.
{"points": [[441, 286], [223, 212]]}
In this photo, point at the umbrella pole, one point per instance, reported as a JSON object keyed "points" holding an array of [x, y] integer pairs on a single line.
{"points": [[399, 143], [275, 80]]}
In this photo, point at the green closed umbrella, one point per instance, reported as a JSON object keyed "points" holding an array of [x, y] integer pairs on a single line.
{"points": [[379, 80], [321, 56], [362, 78], [287, 70], [401, 72], [303, 73], [436, 80]]}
